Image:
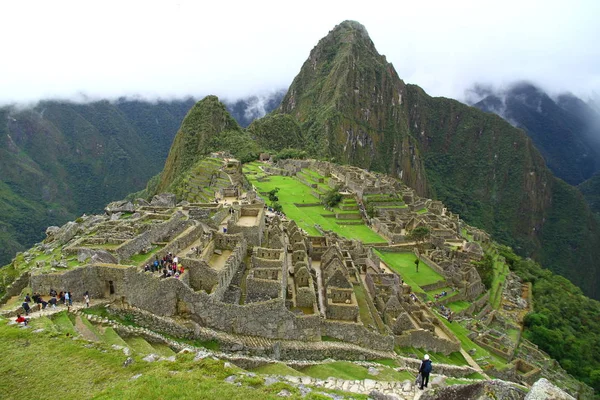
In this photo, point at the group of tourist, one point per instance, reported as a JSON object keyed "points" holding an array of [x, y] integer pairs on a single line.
{"points": [[446, 313], [64, 298], [168, 265], [440, 295]]}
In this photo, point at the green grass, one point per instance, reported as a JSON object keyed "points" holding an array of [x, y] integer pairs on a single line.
{"points": [[349, 371], [363, 307], [112, 337], [63, 323], [457, 306], [451, 293], [467, 344], [455, 358], [422, 211], [404, 265], [34, 368], [501, 271], [277, 369], [140, 345], [138, 259], [293, 191]]}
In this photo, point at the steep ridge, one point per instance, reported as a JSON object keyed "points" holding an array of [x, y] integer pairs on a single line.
{"points": [[348, 101], [352, 106], [203, 123]]}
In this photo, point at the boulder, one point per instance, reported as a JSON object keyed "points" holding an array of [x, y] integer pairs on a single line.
{"points": [[67, 232], [474, 248], [119, 206], [51, 231], [96, 256], [543, 389], [164, 200], [139, 202]]}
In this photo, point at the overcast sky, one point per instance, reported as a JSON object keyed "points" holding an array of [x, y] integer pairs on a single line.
{"points": [[107, 49]]}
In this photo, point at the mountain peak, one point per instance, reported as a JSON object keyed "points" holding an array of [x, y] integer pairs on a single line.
{"points": [[350, 26]]}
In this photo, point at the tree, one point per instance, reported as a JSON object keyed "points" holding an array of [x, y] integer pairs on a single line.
{"points": [[273, 195], [277, 207], [419, 235], [332, 198]]}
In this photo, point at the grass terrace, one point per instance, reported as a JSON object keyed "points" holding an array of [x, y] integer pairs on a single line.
{"points": [[455, 358], [501, 271], [467, 344], [458, 306], [351, 371], [404, 265], [292, 191]]}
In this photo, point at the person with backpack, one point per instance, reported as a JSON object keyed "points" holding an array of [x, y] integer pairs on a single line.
{"points": [[425, 370]]}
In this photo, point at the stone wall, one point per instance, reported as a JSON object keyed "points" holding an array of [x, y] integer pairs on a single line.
{"points": [[253, 234], [305, 296], [202, 276], [424, 339], [157, 233], [357, 334], [261, 289], [341, 311], [16, 287], [182, 242], [93, 279]]}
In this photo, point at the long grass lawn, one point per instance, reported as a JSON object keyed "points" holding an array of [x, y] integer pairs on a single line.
{"points": [[501, 271], [293, 191], [404, 265]]}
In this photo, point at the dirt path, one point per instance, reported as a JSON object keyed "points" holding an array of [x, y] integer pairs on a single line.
{"points": [[84, 331]]}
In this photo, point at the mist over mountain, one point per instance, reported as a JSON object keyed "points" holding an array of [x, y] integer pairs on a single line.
{"points": [[565, 129], [247, 109]]}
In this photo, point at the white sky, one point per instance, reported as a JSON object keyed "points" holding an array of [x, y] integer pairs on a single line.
{"points": [[105, 49]]}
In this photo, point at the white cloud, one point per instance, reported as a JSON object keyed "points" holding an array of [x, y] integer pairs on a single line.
{"points": [[183, 47]]}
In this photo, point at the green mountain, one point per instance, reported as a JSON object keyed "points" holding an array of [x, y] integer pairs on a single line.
{"points": [[562, 129], [351, 106], [591, 192], [60, 159]]}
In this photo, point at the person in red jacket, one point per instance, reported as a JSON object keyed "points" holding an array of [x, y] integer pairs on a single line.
{"points": [[21, 320]]}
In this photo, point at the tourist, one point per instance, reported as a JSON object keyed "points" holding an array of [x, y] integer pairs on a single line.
{"points": [[70, 299], [425, 370], [86, 299], [21, 320], [417, 264], [27, 298], [67, 300], [26, 307], [52, 301]]}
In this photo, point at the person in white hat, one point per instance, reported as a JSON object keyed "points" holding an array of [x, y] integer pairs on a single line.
{"points": [[425, 370]]}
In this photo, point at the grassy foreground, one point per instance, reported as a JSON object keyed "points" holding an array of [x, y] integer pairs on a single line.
{"points": [[51, 364]]}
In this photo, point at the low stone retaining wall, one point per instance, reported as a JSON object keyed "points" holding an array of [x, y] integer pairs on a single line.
{"points": [[16, 287]]}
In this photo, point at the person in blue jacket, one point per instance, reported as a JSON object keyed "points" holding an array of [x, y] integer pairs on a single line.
{"points": [[425, 370]]}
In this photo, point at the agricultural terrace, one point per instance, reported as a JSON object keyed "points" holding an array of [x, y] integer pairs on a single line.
{"points": [[292, 192], [404, 265]]}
